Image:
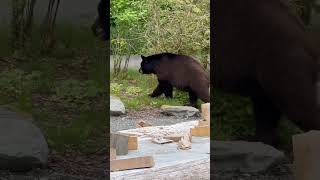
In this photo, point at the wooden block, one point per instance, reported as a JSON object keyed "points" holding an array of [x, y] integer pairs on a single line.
{"points": [[131, 163], [161, 140], [175, 138], [205, 111], [200, 131], [113, 154], [204, 123], [132, 142], [306, 148], [120, 143], [185, 142]]}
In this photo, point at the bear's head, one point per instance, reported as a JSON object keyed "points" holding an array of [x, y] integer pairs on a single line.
{"points": [[147, 65]]}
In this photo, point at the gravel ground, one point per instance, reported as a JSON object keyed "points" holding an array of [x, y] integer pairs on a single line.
{"points": [[152, 116], [280, 172]]}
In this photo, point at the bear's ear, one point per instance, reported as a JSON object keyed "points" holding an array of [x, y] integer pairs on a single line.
{"points": [[142, 57]]}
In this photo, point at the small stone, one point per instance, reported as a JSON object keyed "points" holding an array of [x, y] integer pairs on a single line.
{"points": [[116, 106], [180, 111]]}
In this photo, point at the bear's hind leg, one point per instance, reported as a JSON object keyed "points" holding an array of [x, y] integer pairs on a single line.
{"points": [[267, 118], [193, 99]]}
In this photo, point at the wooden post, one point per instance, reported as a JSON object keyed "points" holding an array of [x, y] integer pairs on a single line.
{"points": [[306, 149]]}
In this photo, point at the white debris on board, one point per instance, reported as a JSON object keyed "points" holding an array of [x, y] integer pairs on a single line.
{"points": [[162, 131]]}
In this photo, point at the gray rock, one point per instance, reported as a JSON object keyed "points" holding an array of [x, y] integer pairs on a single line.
{"points": [[116, 106], [22, 145], [180, 111], [251, 157]]}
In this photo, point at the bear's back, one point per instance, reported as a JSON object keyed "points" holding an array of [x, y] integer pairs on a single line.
{"points": [[181, 71]]}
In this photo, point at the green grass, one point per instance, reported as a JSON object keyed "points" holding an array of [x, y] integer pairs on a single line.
{"points": [[233, 118], [70, 80], [133, 90]]}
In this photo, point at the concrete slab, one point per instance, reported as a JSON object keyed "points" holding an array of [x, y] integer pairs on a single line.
{"points": [[170, 162]]}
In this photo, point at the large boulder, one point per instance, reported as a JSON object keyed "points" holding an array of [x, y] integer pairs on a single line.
{"points": [[251, 157], [22, 145], [116, 106]]}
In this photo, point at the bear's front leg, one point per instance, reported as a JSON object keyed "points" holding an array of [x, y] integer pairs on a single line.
{"points": [[267, 118], [156, 92]]}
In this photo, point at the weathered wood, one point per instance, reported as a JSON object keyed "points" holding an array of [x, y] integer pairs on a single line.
{"points": [[200, 131], [131, 163], [161, 140], [204, 123], [113, 154], [198, 169], [185, 142], [132, 142], [205, 111], [120, 143], [306, 148], [175, 138]]}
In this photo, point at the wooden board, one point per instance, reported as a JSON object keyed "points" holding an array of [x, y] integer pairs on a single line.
{"points": [[132, 142], [200, 131], [113, 154], [131, 163], [120, 143], [198, 169]]}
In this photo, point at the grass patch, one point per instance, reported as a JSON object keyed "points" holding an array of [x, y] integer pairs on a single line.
{"points": [[135, 87], [64, 89], [233, 118]]}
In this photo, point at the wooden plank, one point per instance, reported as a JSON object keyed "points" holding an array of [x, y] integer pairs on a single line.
{"points": [[197, 169], [132, 142], [113, 154], [201, 131], [120, 143], [131, 163]]}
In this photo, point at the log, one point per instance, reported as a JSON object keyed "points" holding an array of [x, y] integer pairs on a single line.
{"points": [[131, 163]]}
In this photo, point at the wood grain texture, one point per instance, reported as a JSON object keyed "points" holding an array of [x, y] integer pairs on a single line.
{"points": [[193, 170], [131, 163], [200, 131]]}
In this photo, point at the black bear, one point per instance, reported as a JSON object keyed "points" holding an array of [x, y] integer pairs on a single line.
{"points": [[100, 26], [263, 51], [179, 71]]}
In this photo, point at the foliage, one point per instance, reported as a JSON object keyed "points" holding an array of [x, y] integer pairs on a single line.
{"points": [[147, 27], [134, 91], [73, 92]]}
